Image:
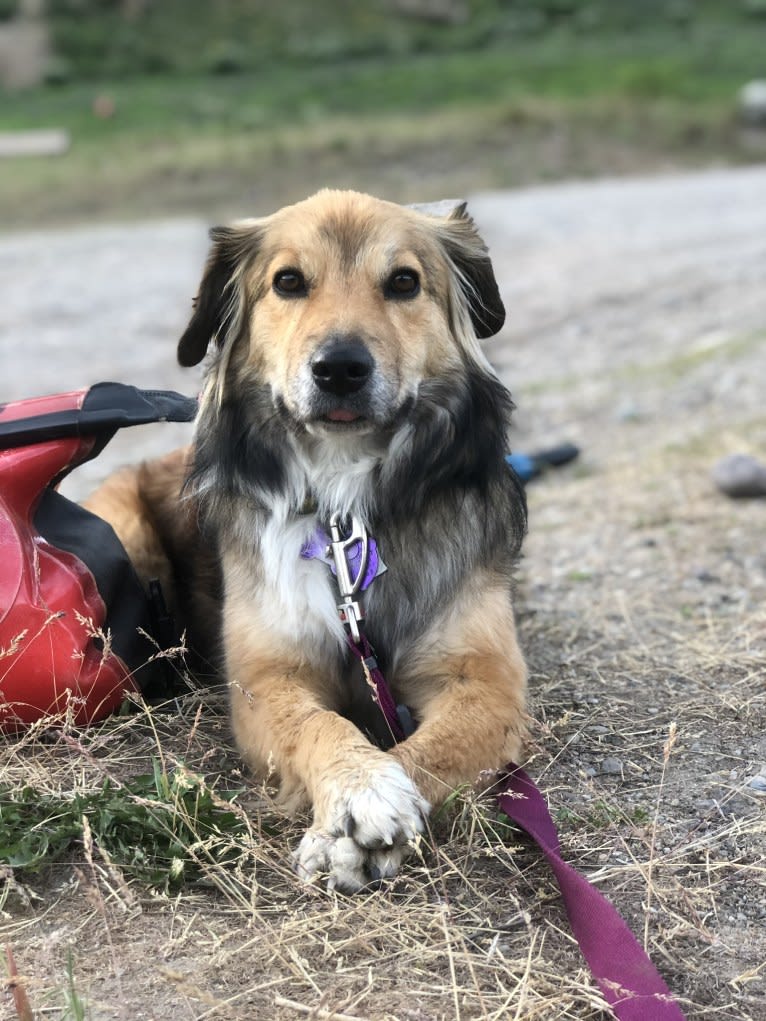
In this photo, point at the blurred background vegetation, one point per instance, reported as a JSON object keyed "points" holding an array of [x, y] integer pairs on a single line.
{"points": [[226, 107]]}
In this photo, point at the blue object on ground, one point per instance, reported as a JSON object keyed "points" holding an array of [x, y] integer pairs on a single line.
{"points": [[529, 466], [523, 465]]}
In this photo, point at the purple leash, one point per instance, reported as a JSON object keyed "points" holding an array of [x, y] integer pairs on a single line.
{"points": [[379, 689], [628, 980], [630, 983], [352, 556]]}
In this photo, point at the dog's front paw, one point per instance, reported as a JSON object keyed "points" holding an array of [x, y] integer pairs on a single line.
{"points": [[370, 820]]}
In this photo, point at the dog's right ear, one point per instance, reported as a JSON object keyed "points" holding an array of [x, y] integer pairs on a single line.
{"points": [[468, 254], [216, 301]]}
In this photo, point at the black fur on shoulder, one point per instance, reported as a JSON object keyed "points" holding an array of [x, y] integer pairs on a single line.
{"points": [[451, 505], [448, 452], [455, 441], [239, 449]]}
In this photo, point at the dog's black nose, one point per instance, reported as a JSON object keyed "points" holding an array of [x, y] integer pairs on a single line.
{"points": [[342, 367]]}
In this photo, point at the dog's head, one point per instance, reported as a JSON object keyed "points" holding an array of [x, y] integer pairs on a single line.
{"points": [[343, 305], [352, 326]]}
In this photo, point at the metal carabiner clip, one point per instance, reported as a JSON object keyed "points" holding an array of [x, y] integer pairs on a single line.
{"points": [[344, 535]]}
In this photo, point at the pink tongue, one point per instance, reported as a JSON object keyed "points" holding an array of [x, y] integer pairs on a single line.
{"points": [[339, 415]]}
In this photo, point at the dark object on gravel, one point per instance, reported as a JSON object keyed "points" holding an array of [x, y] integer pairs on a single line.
{"points": [[529, 466], [740, 475]]}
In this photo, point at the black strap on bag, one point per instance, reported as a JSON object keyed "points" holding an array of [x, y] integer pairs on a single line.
{"points": [[105, 408]]}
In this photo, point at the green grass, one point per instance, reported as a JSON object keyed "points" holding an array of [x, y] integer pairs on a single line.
{"points": [[94, 37], [704, 65], [161, 827], [483, 98], [75, 1008]]}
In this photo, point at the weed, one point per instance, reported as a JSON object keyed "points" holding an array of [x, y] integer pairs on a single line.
{"points": [[160, 827], [579, 576], [75, 1008]]}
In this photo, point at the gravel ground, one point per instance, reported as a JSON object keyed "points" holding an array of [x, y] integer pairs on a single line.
{"points": [[598, 275], [603, 275], [637, 329]]}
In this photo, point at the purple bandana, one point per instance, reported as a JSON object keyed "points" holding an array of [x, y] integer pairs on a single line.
{"points": [[315, 548]]}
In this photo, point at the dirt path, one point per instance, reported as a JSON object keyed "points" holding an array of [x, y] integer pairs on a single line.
{"points": [[637, 328], [603, 282]]}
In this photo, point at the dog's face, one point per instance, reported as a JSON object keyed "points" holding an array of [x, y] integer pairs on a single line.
{"points": [[343, 305], [348, 314]]}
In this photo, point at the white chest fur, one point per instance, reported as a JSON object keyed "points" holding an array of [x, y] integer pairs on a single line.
{"points": [[299, 594]]}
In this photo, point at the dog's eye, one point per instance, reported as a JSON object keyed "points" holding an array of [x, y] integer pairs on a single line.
{"points": [[290, 283], [403, 283]]}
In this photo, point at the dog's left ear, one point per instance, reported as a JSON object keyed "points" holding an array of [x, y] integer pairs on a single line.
{"points": [[217, 299], [208, 318], [468, 254]]}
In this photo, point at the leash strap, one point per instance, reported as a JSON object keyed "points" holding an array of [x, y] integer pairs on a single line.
{"points": [[396, 716], [630, 983], [628, 980]]}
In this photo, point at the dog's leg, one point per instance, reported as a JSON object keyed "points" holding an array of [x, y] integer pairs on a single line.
{"points": [[366, 808], [466, 682]]}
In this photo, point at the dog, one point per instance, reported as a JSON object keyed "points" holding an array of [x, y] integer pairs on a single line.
{"points": [[345, 381]]}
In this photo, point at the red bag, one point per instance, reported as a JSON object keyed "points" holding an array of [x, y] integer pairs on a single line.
{"points": [[72, 610]]}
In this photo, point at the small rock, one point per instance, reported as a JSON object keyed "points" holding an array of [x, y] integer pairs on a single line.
{"points": [[740, 475], [628, 411], [103, 106], [758, 783], [705, 576], [612, 766]]}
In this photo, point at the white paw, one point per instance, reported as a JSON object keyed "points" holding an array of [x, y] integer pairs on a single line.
{"points": [[373, 816]]}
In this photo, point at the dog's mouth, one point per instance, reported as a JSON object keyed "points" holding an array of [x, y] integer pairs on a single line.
{"points": [[349, 420], [342, 420], [343, 416]]}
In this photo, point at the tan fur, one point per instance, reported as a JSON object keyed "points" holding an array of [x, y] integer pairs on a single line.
{"points": [[159, 529], [131, 500], [466, 679], [467, 683], [348, 298]]}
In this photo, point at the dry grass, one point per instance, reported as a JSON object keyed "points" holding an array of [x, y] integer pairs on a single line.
{"points": [[463, 933], [405, 158], [473, 928]]}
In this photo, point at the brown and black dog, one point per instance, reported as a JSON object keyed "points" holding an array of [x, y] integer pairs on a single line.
{"points": [[345, 377]]}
